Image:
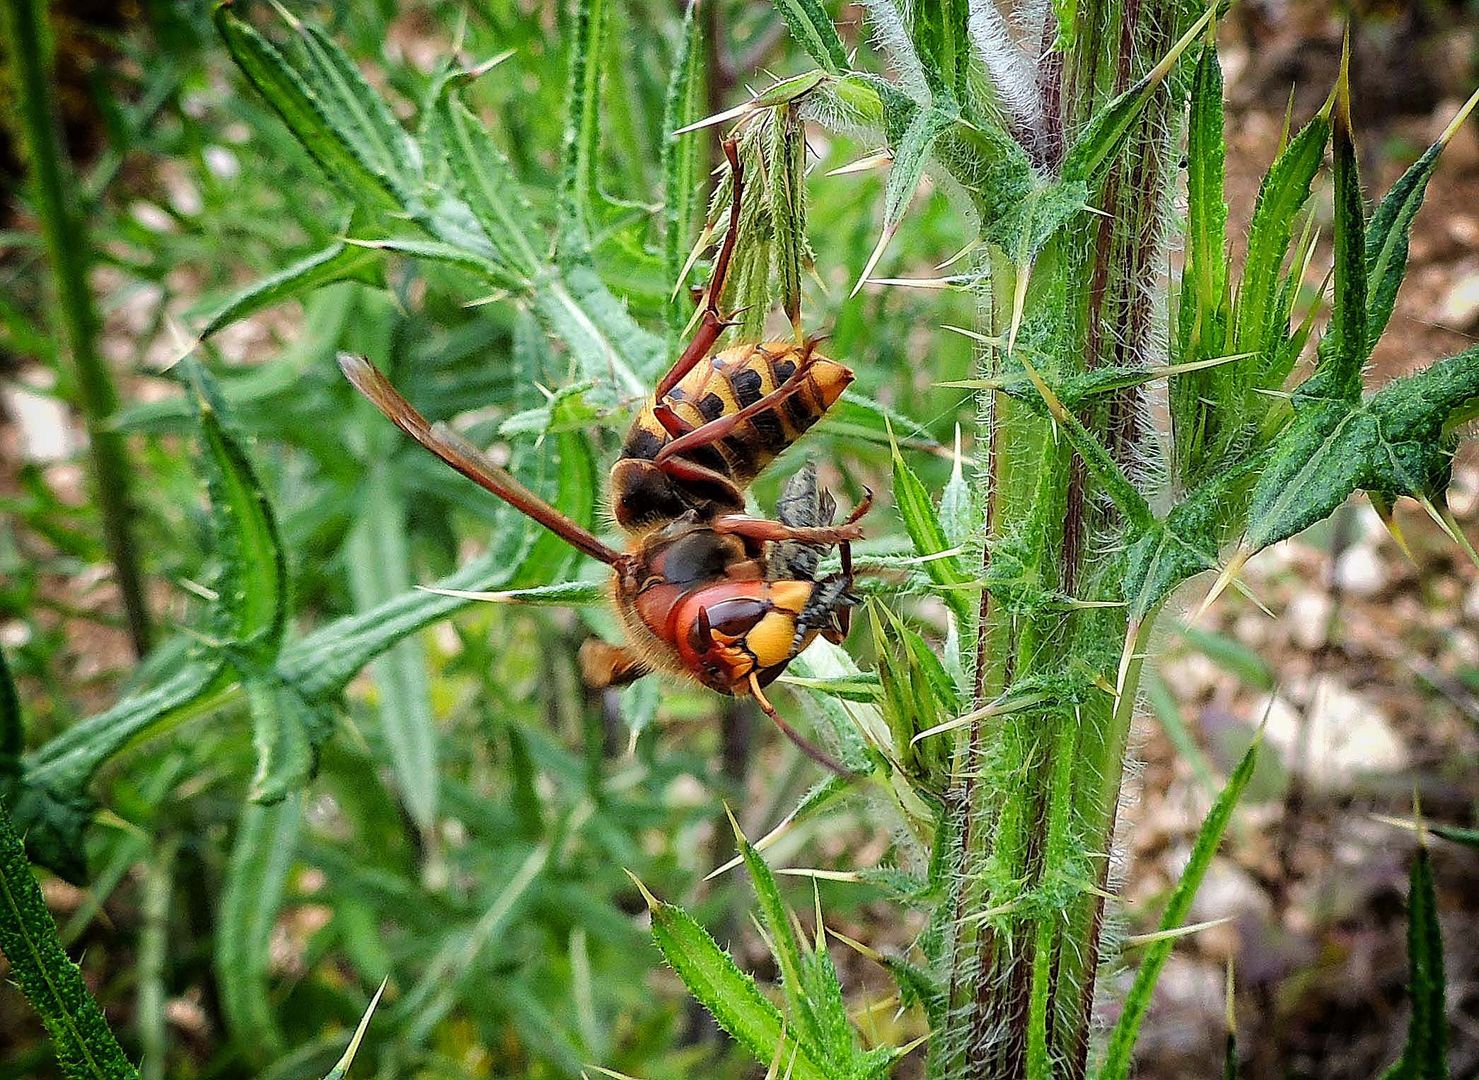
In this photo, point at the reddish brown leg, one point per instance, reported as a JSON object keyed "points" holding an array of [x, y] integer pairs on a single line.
{"points": [[694, 473], [864, 505], [671, 422], [714, 430], [807, 747], [768, 531], [711, 324]]}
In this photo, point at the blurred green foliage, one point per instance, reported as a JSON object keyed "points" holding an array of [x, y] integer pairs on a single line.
{"points": [[467, 824]]}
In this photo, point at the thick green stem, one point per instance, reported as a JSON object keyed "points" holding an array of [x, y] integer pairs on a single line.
{"points": [[1036, 792], [59, 207]]}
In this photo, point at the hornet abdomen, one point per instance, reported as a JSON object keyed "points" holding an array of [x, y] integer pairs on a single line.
{"points": [[777, 389]]}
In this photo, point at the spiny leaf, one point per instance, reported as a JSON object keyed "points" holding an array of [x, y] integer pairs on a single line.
{"points": [[287, 732], [1023, 232], [815, 33], [571, 302], [1391, 444], [84, 1045], [337, 262], [487, 183], [493, 272], [917, 693], [911, 154], [252, 610], [822, 989], [1125, 496], [1186, 541], [1424, 1057], [1387, 235], [1117, 1055], [681, 161], [1204, 402], [729, 994], [50, 803], [611, 348], [339, 153], [357, 111], [988, 163], [783, 942], [1106, 131], [960, 516]]}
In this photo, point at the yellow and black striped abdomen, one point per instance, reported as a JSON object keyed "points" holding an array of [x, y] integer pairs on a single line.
{"points": [[736, 379], [719, 386]]}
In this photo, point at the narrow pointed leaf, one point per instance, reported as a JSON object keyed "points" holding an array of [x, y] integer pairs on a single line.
{"points": [[784, 944], [337, 151], [358, 111], [681, 161], [1339, 372], [256, 882], [1284, 192], [486, 181], [922, 522], [52, 983], [1117, 1055], [379, 570], [492, 271], [1105, 133], [814, 32], [252, 610], [911, 154], [1206, 252], [729, 994], [1391, 225], [337, 262], [1425, 1056], [341, 1067]]}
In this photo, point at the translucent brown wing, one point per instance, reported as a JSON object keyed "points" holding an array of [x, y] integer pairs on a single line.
{"points": [[468, 459]]}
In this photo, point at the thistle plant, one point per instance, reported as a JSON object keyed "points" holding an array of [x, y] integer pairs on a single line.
{"points": [[1061, 130], [1134, 429]]}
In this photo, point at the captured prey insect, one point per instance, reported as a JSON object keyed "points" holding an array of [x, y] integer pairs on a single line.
{"points": [[703, 590]]}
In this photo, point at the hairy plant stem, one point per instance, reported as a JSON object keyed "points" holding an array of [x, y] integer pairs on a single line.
{"points": [[60, 209], [1036, 792]]}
